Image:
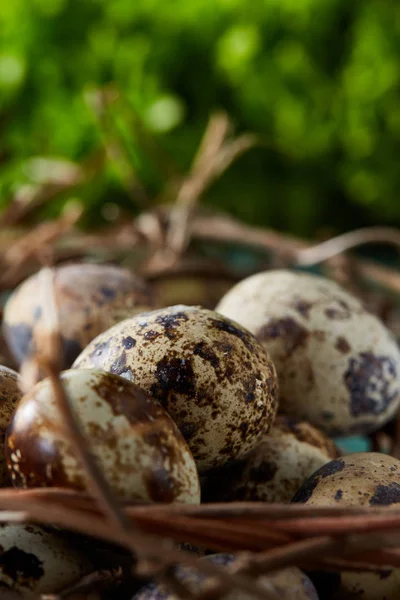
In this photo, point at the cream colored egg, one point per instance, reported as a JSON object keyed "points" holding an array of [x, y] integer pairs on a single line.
{"points": [[10, 394], [285, 584], [364, 479], [89, 297], [35, 561], [288, 455], [136, 443], [209, 373], [338, 365]]}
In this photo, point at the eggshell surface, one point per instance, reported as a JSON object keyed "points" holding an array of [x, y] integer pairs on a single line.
{"points": [[338, 365], [35, 561], [210, 374], [363, 479], [89, 299], [138, 446], [10, 394], [287, 584], [286, 457]]}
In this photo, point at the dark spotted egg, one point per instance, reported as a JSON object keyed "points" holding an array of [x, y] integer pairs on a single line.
{"points": [[285, 584], [364, 479], [338, 365], [288, 455], [36, 561], [90, 298], [10, 394], [211, 375], [141, 451]]}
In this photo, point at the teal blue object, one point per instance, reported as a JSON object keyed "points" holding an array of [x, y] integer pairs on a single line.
{"points": [[355, 443]]}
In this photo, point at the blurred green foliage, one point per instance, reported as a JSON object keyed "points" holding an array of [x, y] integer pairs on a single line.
{"points": [[319, 80]]}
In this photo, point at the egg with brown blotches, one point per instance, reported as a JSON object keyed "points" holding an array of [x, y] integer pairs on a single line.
{"points": [[89, 298], [35, 560], [286, 584], [362, 479], [286, 457], [338, 365], [139, 448], [210, 374], [10, 394]]}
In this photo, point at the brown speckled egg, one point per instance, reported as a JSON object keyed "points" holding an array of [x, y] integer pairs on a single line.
{"points": [[36, 561], [209, 373], [10, 394], [90, 298], [338, 365], [138, 446], [364, 479], [288, 455], [286, 584]]}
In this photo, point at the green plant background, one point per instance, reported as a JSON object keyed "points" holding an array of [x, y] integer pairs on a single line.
{"points": [[319, 81]]}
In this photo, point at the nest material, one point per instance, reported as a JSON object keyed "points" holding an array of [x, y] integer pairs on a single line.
{"points": [[263, 536]]}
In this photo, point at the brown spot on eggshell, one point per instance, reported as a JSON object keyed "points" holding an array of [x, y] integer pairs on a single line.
{"points": [[372, 382], [171, 322], [22, 567], [342, 345], [338, 495], [232, 329], [173, 375], [317, 334], [128, 342], [36, 560], [303, 307], [86, 306], [385, 495], [211, 375], [207, 353], [342, 313], [138, 446], [290, 331]]}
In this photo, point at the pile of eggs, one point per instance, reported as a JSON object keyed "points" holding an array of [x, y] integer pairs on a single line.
{"points": [[186, 404]]}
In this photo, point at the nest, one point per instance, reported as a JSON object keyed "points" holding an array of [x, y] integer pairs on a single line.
{"points": [[176, 243]]}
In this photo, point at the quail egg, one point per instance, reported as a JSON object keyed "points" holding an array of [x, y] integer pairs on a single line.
{"points": [[10, 394], [211, 375], [141, 451], [338, 365], [90, 298], [34, 560], [287, 584], [363, 479], [272, 472]]}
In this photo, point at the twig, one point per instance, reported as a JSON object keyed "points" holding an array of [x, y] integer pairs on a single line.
{"points": [[347, 241], [34, 244], [215, 155]]}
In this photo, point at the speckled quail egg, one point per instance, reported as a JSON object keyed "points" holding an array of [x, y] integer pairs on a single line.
{"points": [[338, 365], [90, 298], [272, 472], [364, 479], [141, 451], [34, 560], [209, 373], [10, 394], [286, 584]]}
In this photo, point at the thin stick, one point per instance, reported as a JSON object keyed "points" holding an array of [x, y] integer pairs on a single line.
{"points": [[347, 241]]}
